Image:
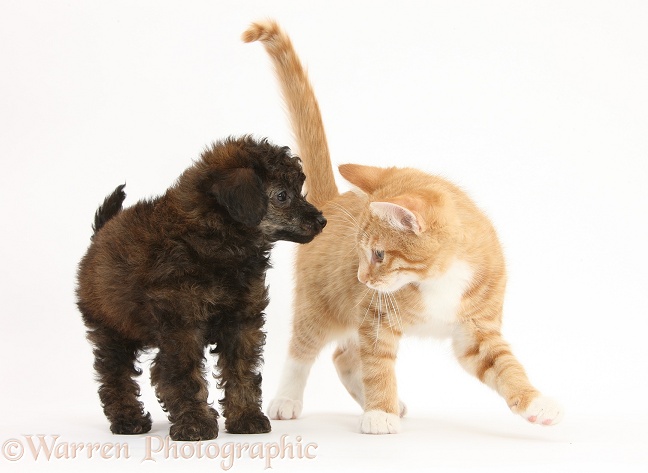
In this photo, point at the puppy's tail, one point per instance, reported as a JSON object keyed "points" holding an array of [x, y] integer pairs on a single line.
{"points": [[303, 109], [111, 206]]}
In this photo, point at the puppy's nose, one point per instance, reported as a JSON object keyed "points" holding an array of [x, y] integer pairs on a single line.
{"points": [[321, 220]]}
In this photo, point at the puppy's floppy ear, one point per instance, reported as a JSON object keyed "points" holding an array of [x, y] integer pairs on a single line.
{"points": [[241, 192]]}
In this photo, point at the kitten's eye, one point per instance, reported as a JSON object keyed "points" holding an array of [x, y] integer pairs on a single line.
{"points": [[378, 256]]}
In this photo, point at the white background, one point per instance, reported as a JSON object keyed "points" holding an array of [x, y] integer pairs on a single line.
{"points": [[538, 109]]}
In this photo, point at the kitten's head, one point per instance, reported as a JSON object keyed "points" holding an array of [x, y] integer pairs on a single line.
{"points": [[407, 232]]}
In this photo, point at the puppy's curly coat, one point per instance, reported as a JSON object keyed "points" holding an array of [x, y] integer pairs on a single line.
{"points": [[184, 271]]}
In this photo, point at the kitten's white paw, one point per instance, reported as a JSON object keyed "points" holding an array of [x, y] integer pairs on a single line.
{"points": [[402, 408], [283, 408], [379, 422], [543, 410]]}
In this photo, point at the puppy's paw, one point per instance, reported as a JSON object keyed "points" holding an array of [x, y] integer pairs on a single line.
{"points": [[249, 423], [195, 428], [283, 408], [379, 422], [214, 413], [543, 410], [132, 426]]}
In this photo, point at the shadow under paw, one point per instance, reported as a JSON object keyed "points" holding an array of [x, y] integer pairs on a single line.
{"points": [[248, 423]]}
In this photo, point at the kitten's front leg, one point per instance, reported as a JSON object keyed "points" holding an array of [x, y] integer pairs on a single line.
{"points": [[378, 348], [307, 341], [288, 402], [485, 354], [349, 369]]}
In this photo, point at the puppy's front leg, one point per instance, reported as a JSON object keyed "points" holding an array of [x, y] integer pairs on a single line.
{"points": [[178, 376], [239, 347]]}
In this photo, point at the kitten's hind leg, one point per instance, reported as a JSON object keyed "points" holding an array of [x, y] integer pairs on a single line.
{"points": [[349, 369], [488, 356]]}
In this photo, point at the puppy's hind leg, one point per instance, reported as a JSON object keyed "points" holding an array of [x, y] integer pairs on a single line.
{"points": [[114, 363], [177, 373]]}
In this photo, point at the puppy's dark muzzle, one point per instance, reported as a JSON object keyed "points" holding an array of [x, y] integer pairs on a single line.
{"points": [[316, 224], [306, 223], [311, 228], [320, 222]]}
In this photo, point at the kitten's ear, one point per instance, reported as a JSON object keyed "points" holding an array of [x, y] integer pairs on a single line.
{"points": [[241, 192], [398, 217], [366, 178]]}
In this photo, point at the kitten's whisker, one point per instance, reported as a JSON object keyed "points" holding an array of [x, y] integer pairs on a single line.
{"points": [[394, 304], [352, 228], [347, 225], [362, 298], [388, 309], [354, 248], [368, 307], [351, 231], [346, 212], [378, 316], [387, 312], [351, 218]]}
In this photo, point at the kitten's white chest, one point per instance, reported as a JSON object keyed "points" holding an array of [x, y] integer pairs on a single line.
{"points": [[441, 298]]}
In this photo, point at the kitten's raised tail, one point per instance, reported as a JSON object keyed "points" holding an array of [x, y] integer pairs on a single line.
{"points": [[303, 109]]}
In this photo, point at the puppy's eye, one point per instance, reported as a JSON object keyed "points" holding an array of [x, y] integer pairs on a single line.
{"points": [[282, 196], [378, 256]]}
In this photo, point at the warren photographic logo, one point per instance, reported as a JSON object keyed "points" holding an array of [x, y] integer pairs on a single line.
{"points": [[52, 448]]}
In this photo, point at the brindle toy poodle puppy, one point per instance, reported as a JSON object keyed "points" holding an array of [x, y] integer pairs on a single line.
{"points": [[186, 270]]}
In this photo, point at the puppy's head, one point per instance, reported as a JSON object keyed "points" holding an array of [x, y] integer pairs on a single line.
{"points": [[289, 216], [259, 185]]}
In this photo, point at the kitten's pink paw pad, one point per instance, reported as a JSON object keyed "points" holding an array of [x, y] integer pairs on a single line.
{"points": [[379, 422], [283, 408], [543, 410]]}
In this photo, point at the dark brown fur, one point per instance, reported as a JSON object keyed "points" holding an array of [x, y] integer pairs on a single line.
{"points": [[184, 271]]}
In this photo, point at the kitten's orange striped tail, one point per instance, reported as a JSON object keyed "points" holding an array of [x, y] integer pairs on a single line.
{"points": [[304, 112]]}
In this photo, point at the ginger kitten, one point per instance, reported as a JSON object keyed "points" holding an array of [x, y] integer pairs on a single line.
{"points": [[410, 254]]}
